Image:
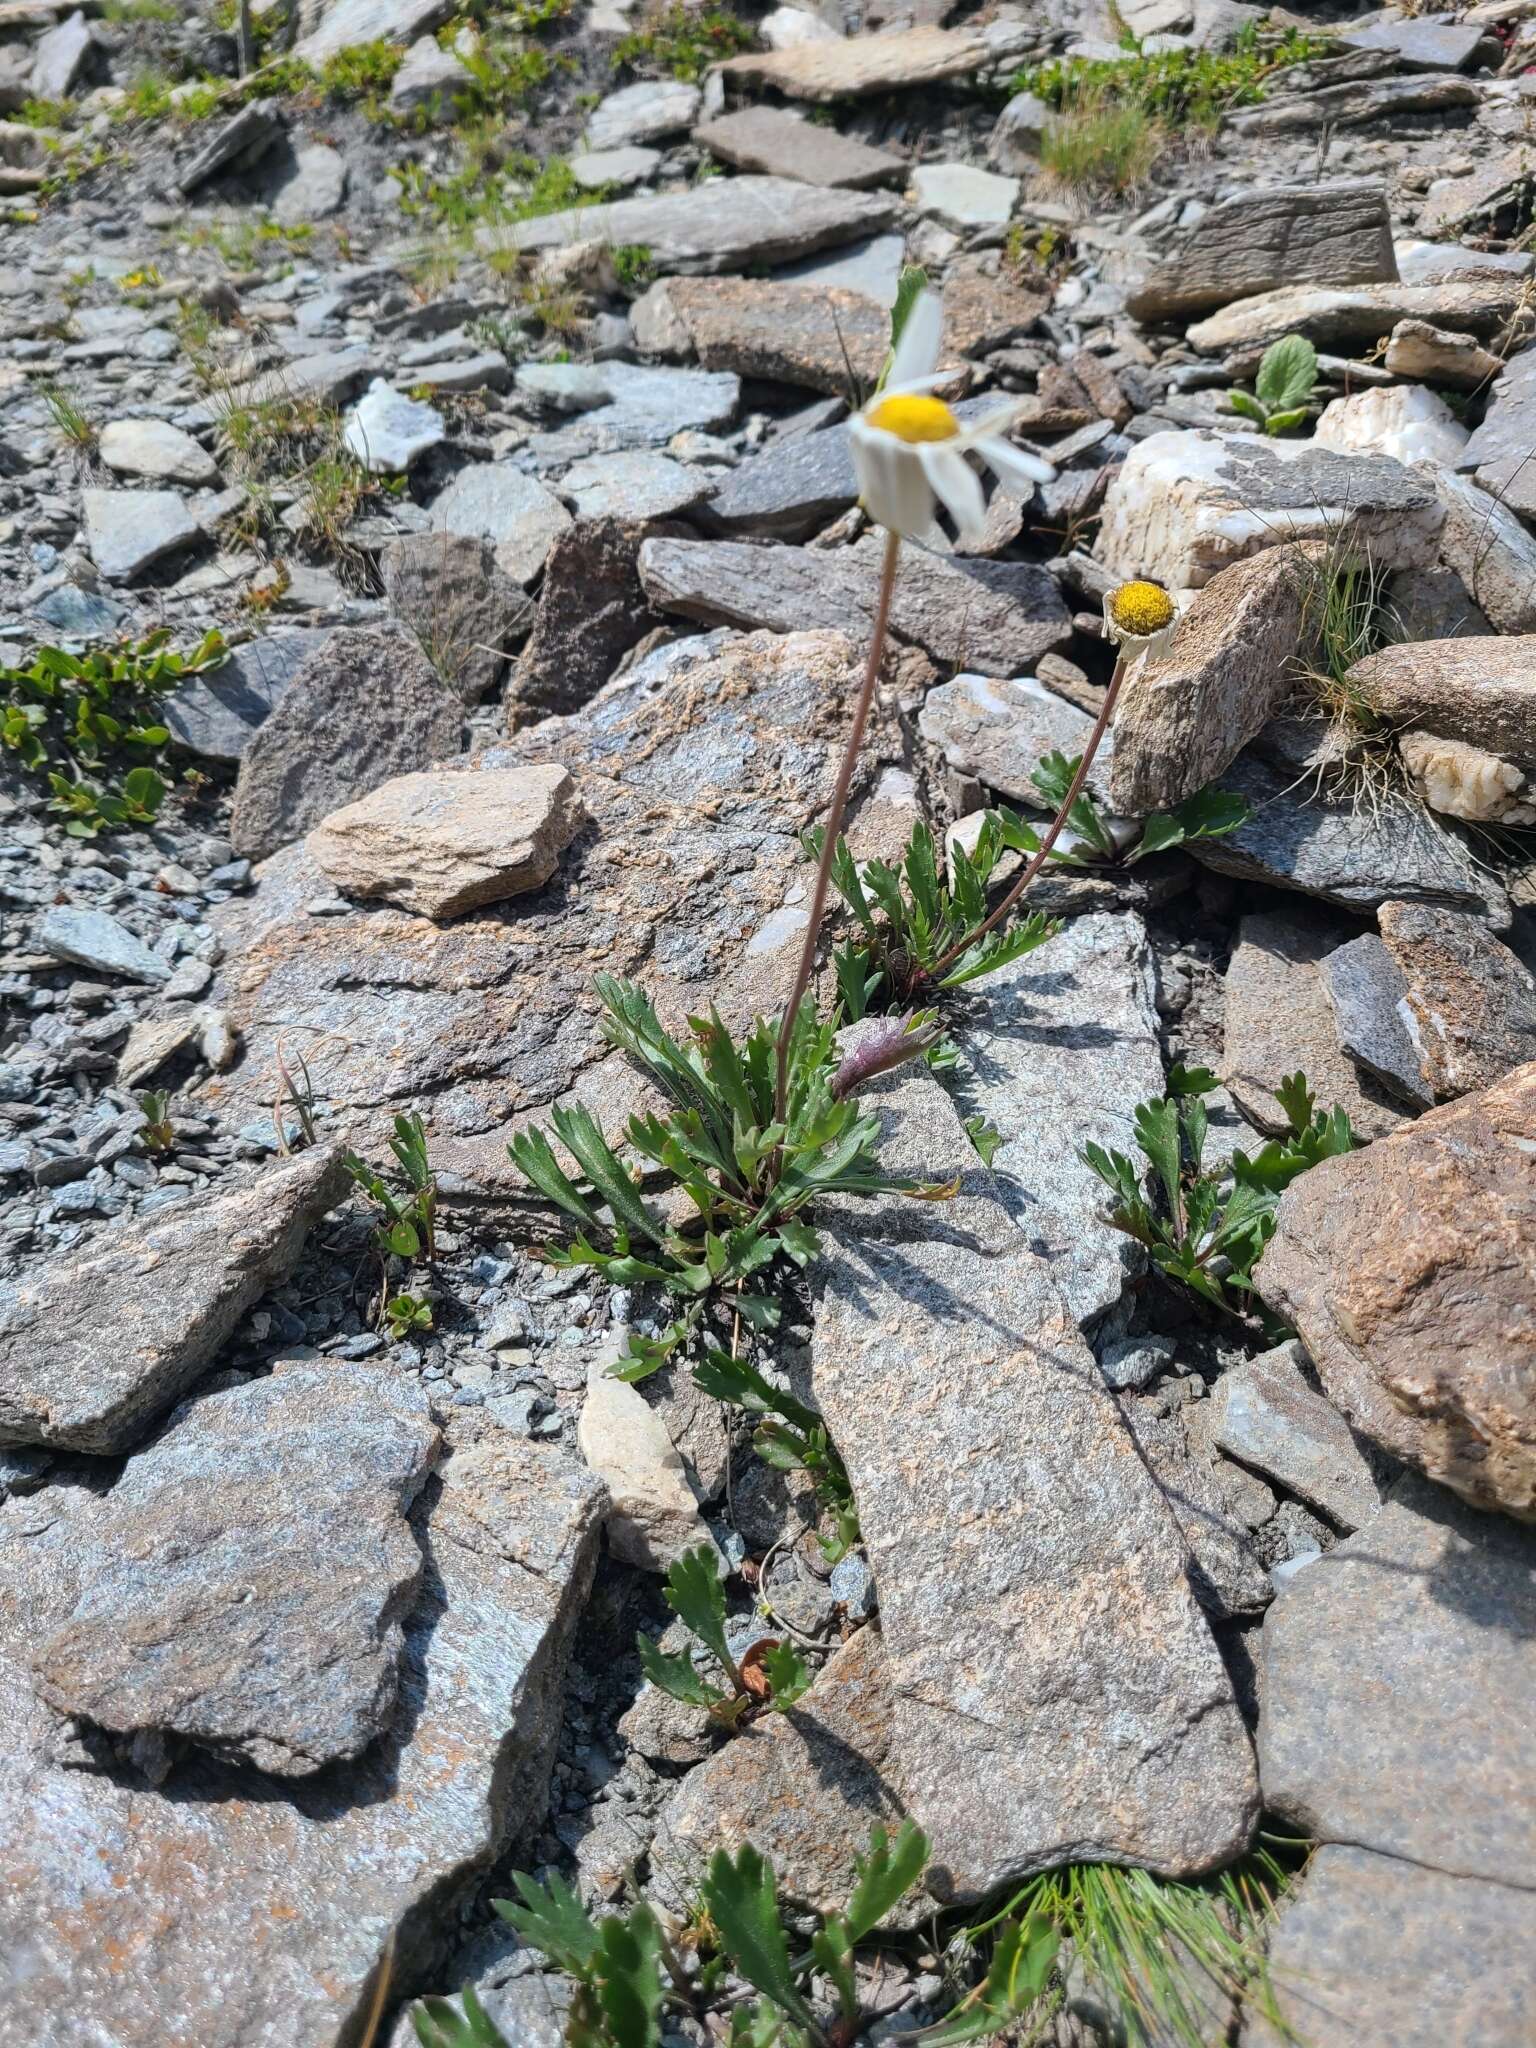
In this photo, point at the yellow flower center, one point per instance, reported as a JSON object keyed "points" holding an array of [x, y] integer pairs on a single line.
{"points": [[1141, 609], [914, 419]]}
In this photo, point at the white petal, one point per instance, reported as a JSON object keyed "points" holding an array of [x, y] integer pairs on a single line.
{"points": [[958, 486], [917, 353], [1015, 470], [995, 422], [892, 480]]}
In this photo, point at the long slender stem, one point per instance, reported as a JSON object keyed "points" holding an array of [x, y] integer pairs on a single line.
{"points": [[834, 819], [1058, 823]]}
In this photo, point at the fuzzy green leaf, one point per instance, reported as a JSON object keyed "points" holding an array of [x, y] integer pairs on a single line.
{"points": [[884, 1875], [1287, 374], [1249, 407], [551, 1918], [1282, 422], [788, 1674], [697, 1597], [1157, 1133], [673, 1672], [1022, 1960], [439, 2023], [744, 1906]]}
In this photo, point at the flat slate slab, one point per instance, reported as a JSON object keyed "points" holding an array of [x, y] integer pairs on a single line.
{"points": [[1397, 1690], [1056, 1691], [881, 63], [784, 145], [214, 715], [789, 491], [127, 531], [1332, 316], [1499, 450], [724, 224], [241, 1587]]}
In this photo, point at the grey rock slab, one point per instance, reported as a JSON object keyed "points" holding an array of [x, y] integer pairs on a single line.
{"points": [[388, 432], [154, 448], [1433, 355], [1332, 317], [647, 111], [771, 330], [1056, 1692], [239, 139], [349, 22], [725, 224], [330, 376], [1372, 1952], [442, 843], [1396, 1690], [1000, 731], [1499, 449], [1058, 1049], [1491, 550], [784, 145], [1356, 103], [94, 1346], [963, 195], [466, 614], [82, 614], [592, 611], [314, 189], [872, 268], [430, 74], [654, 1518], [1468, 1002], [1218, 1505], [370, 1855], [1420, 45], [365, 706], [564, 387], [1265, 1414], [1346, 855], [60, 58], [1454, 202], [1481, 692], [1338, 233], [894, 62], [195, 1618], [996, 617], [600, 170], [516, 513], [1185, 504], [1362, 983], [636, 484], [127, 531], [649, 406], [789, 491], [1277, 1018], [96, 939], [213, 715]]}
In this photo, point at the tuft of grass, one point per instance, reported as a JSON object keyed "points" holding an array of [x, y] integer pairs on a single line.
{"points": [[683, 43], [72, 422], [1178, 88], [1102, 147]]}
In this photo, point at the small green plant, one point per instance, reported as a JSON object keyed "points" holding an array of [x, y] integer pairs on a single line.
{"points": [[1180, 88], [157, 1133], [408, 1209], [71, 717], [404, 1314], [748, 1174], [439, 2023], [634, 266], [1209, 814], [789, 1436], [683, 42], [1283, 389], [1207, 1235], [772, 1672], [73, 423], [1101, 146]]}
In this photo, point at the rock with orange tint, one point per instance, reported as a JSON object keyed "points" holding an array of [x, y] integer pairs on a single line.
{"points": [[246, 1910]]}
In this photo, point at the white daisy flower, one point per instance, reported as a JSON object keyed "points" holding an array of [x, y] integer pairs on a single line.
{"points": [[1141, 618], [909, 449]]}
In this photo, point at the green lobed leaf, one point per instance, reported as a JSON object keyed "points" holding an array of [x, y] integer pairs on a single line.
{"points": [[744, 1907], [1023, 1957], [439, 2023], [696, 1595], [1157, 1133], [1287, 373], [1249, 407], [883, 1876], [673, 1672], [628, 1973], [787, 1673], [551, 1918]]}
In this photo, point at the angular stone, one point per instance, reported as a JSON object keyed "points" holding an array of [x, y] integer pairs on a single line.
{"points": [[1453, 202], [94, 1346], [196, 1620], [1409, 1271], [96, 939], [1355, 103], [349, 22], [1434, 355], [1468, 1004], [155, 448], [125, 531], [648, 111], [997, 617], [214, 715], [1265, 1414], [600, 170], [430, 75], [783, 145], [1056, 1693], [1185, 504], [655, 1515], [465, 612], [1365, 989], [1278, 1019], [1337, 233], [648, 408], [1000, 732], [1401, 420], [592, 611], [443, 842], [495, 502], [330, 377], [1377, 1953], [1184, 716], [963, 195], [1396, 1677], [825, 340], [1060, 1048], [725, 224], [1014, 144], [873, 64], [313, 189], [1499, 450], [1363, 314], [388, 432], [1492, 552], [790, 491], [373, 1856], [241, 139], [1482, 692], [61, 57], [1218, 1505], [1420, 45], [1466, 782], [805, 1788], [986, 307], [873, 267], [635, 485], [365, 706]]}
